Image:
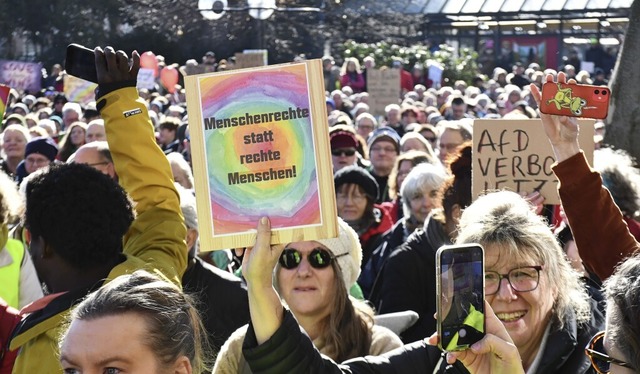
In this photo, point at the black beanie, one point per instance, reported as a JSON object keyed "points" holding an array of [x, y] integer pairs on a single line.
{"points": [[357, 175], [43, 145]]}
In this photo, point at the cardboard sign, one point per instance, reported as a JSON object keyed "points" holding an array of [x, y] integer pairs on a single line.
{"points": [[435, 73], [79, 90], [516, 155], [260, 147], [146, 79], [21, 75], [250, 60], [384, 89], [4, 98]]}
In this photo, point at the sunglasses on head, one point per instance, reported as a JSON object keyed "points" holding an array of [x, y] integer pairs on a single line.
{"points": [[318, 258], [340, 152], [600, 360]]}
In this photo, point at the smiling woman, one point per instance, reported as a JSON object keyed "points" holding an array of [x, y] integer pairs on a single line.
{"points": [[313, 278], [530, 285]]}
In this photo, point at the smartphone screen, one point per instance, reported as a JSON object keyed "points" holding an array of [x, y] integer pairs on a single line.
{"points": [[81, 62], [460, 296]]}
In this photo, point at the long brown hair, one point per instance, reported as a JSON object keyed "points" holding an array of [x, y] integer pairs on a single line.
{"points": [[346, 331]]}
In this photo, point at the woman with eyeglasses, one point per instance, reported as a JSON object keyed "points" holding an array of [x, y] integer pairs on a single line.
{"points": [[356, 193], [530, 285], [313, 279], [534, 292]]}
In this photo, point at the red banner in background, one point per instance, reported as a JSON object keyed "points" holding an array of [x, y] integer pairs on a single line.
{"points": [[528, 49]]}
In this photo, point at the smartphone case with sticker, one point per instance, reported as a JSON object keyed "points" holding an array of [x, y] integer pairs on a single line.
{"points": [[575, 100]]}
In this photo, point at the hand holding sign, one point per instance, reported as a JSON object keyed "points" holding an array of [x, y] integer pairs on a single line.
{"points": [[562, 131]]}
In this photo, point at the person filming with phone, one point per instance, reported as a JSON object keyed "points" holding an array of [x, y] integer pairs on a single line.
{"points": [[537, 297]]}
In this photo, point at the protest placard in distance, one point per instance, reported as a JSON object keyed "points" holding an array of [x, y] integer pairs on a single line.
{"points": [[383, 86], [21, 75], [79, 90], [516, 155], [260, 147], [251, 58]]}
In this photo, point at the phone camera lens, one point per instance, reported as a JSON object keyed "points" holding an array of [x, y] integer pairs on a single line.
{"points": [[604, 92], [597, 92]]}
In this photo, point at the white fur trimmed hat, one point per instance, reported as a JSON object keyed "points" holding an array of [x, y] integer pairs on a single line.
{"points": [[346, 242]]}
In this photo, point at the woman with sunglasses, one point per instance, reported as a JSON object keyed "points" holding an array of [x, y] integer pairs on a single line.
{"points": [[529, 285], [313, 279]]}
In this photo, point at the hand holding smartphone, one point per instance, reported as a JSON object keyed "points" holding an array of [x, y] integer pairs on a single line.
{"points": [[575, 100], [460, 296], [81, 62]]}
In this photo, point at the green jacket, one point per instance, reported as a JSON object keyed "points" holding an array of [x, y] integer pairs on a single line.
{"points": [[155, 240]]}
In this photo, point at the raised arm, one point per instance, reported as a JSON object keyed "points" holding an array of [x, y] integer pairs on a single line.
{"points": [[601, 235], [157, 235]]}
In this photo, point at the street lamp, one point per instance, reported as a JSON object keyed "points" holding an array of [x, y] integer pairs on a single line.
{"points": [[259, 10], [212, 9]]}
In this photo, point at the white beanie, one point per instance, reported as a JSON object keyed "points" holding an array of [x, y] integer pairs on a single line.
{"points": [[346, 242]]}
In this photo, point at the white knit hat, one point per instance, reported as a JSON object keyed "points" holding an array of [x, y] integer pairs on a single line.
{"points": [[346, 242]]}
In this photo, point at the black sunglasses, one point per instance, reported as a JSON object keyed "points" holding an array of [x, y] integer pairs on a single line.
{"points": [[340, 152], [601, 361], [318, 258]]}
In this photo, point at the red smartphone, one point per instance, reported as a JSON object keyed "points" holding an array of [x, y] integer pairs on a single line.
{"points": [[575, 100]]}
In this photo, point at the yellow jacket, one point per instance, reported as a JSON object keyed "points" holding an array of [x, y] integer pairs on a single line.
{"points": [[155, 240]]}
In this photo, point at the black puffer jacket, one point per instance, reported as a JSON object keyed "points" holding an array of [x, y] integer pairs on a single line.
{"points": [[289, 350], [409, 279]]}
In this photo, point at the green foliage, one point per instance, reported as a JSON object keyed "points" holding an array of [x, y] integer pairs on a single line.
{"points": [[457, 66]]}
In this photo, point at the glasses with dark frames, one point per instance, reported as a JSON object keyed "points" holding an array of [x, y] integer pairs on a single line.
{"points": [[521, 279], [600, 360], [318, 258]]}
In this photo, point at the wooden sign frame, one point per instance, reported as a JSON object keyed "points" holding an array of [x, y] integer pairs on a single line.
{"points": [[260, 147]]}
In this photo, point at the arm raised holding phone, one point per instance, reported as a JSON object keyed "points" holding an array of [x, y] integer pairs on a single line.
{"points": [[275, 344], [602, 242]]}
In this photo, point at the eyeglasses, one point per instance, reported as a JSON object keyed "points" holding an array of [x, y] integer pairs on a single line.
{"points": [[383, 149], [599, 360], [37, 161], [522, 279], [345, 152], [342, 198], [318, 258]]}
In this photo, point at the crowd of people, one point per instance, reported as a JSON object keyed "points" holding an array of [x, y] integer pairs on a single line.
{"points": [[102, 270]]}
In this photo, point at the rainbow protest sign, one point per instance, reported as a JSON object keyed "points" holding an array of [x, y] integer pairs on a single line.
{"points": [[259, 140], [4, 97]]}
